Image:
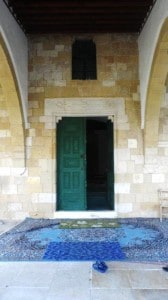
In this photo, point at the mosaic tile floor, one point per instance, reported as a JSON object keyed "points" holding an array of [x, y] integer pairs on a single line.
{"points": [[135, 240], [89, 223], [82, 251]]}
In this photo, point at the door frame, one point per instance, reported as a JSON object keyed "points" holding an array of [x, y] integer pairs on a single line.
{"points": [[112, 108]]}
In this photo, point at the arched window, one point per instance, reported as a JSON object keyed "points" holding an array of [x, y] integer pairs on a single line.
{"points": [[84, 60]]}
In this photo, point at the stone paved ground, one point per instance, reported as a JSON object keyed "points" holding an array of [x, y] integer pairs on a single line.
{"points": [[76, 280]]}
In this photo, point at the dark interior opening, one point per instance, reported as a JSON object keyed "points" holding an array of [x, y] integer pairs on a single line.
{"points": [[84, 60], [97, 163]]}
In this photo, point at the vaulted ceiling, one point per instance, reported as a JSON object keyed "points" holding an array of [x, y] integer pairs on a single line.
{"points": [[67, 16]]}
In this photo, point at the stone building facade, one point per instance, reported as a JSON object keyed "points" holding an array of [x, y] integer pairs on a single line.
{"points": [[28, 153]]}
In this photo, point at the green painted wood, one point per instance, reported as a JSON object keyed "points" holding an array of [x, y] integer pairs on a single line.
{"points": [[71, 164], [110, 174]]}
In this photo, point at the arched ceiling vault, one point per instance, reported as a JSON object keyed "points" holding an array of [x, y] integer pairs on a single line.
{"points": [[13, 105], [156, 88]]}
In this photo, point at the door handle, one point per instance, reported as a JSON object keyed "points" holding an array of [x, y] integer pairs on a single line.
{"points": [[83, 157]]}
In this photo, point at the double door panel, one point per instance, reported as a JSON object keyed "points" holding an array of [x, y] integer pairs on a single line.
{"points": [[72, 164]]}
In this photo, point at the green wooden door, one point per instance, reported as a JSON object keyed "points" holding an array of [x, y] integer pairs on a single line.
{"points": [[110, 172], [71, 164]]}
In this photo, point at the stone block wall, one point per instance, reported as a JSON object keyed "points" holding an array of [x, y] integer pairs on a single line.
{"points": [[137, 173], [11, 163], [117, 72]]}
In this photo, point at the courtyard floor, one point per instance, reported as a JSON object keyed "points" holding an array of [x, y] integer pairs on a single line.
{"points": [[43, 280]]}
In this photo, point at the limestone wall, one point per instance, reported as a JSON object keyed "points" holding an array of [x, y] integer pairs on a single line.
{"points": [[116, 91]]}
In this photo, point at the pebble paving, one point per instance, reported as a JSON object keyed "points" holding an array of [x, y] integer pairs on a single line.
{"points": [[139, 239]]}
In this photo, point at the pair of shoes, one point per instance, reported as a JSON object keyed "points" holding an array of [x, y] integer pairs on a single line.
{"points": [[100, 266], [165, 268]]}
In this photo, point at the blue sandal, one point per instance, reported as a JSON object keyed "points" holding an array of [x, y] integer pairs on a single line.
{"points": [[100, 266]]}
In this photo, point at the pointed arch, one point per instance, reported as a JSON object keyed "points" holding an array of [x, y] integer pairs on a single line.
{"points": [[11, 109], [156, 88]]}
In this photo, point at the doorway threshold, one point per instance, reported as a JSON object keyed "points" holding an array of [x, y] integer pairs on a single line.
{"points": [[85, 215]]}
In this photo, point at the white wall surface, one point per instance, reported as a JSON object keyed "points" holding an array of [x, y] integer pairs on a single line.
{"points": [[147, 43], [16, 43]]}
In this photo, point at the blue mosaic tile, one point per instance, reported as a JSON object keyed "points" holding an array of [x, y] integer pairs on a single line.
{"points": [[141, 239], [83, 251]]}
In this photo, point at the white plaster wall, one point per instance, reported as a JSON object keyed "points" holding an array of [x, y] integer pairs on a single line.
{"points": [[16, 43], [147, 43]]}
